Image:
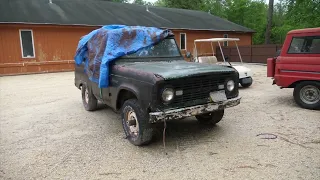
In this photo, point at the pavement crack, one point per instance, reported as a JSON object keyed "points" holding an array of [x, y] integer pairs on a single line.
{"points": [[287, 140], [246, 167]]}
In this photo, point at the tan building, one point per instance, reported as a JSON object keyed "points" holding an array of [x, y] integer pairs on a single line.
{"points": [[42, 35]]}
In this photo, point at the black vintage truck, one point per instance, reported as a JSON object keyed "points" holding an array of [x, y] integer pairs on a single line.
{"points": [[156, 84]]}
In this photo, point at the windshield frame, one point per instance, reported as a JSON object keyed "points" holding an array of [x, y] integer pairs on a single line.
{"points": [[156, 57], [225, 61]]}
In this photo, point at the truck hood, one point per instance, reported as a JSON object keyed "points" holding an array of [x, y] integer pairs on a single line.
{"points": [[177, 69]]}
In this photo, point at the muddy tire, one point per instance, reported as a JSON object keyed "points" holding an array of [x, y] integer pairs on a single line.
{"points": [[211, 118], [135, 123], [307, 95], [89, 101]]}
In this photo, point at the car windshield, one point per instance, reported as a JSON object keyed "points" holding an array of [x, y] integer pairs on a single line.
{"points": [[165, 48], [215, 57]]}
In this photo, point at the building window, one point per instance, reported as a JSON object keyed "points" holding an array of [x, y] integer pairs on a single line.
{"points": [[183, 41], [305, 45], [27, 43], [225, 43]]}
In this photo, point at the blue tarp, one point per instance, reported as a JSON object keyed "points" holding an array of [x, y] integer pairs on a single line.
{"points": [[101, 46]]}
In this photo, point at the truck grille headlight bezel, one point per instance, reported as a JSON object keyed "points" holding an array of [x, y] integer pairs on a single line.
{"points": [[167, 95], [230, 85]]}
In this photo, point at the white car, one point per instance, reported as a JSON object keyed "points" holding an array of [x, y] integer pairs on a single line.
{"points": [[245, 74]]}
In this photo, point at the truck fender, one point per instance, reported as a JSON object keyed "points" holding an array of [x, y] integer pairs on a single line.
{"points": [[129, 88]]}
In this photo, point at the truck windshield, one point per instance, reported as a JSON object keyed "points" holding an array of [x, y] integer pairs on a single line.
{"points": [[165, 48]]}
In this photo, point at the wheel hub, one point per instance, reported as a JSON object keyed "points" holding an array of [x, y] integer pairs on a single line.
{"points": [[132, 123], [310, 94]]}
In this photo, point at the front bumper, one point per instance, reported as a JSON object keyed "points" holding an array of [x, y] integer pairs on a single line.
{"points": [[246, 80], [192, 111]]}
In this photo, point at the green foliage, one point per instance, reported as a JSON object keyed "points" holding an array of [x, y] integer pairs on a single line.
{"points": [[215, 7], [141, 2], [183, 4], [288, 14], [304, 13], [121, 1], [160, 3], [251, 14], [294, 14]]}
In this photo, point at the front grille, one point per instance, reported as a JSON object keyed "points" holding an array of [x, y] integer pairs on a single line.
{"points": [[196, 90]]}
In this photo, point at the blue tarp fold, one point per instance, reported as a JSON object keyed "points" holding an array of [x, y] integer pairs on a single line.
{"points": [[101, 46]]}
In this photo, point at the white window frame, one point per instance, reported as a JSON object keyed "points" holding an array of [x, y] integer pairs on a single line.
{"points": [[21, 46], [185, 41], [226, 41]]}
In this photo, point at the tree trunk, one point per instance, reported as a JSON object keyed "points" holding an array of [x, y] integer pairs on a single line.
{"points": [[268, 29]]}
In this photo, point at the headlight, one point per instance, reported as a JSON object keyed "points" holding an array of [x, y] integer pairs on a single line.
{"points": [[230, 85], [167, 95]]}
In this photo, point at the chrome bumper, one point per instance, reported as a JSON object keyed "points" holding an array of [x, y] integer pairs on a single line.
{"points": [[192, 111]]}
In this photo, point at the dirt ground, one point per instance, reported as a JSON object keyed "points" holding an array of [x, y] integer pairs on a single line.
{"points": [[47, 134]]}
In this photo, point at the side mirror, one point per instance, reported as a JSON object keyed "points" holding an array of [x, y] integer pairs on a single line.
{"points": [[188, 55]]}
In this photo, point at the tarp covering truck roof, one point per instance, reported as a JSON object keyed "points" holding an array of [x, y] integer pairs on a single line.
{"points": [[101, 46]]}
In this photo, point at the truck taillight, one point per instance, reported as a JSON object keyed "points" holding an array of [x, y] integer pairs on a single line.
{"points": [[271, 64]]}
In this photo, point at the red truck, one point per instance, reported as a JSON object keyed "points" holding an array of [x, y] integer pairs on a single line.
{"points": [[298, 66]]}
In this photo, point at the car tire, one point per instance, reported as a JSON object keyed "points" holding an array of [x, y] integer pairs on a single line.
{"points": [[135, 123], [307, 95], [211, 118], [89, 101], [245, 85]]}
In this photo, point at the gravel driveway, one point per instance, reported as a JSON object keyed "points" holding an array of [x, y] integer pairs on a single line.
{"points": [[46, 134]]}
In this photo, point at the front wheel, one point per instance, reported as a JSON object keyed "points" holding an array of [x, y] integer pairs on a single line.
{"points": [[211, 118], [135, 123], [307, 94]]}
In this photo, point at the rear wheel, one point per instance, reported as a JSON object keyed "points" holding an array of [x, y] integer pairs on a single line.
{"points": [[88, 99], [211, 118], [307, 94], [135, 123]]}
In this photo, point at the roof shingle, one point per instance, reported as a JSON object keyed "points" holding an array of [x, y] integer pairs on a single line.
{"points": [[98, 13]]}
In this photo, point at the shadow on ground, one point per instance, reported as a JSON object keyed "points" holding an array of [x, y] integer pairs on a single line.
{"points": [[186, 133]]}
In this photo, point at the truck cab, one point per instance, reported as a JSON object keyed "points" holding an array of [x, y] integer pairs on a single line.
{"points": [[298, 66]]}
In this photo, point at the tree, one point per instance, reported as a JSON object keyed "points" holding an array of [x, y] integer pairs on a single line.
{"points": [[279, 29], [183, 4], [297, 14], [215, 7], [141, 2], [251, 14], [303, 13], [271, 24], [268, 29], [120, 1], [160, 3]]}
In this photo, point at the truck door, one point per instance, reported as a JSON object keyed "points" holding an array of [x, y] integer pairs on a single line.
{"points": [[101, 93]]}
